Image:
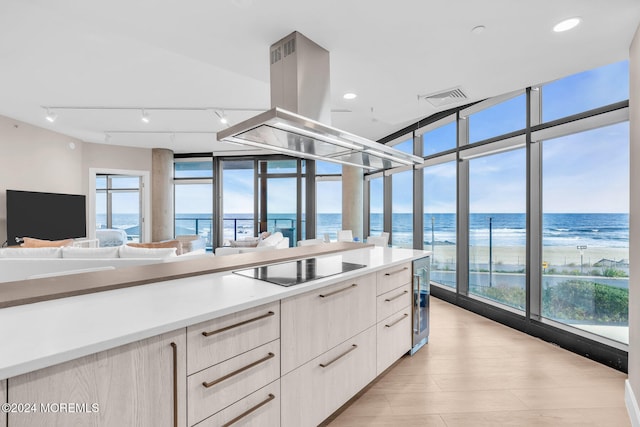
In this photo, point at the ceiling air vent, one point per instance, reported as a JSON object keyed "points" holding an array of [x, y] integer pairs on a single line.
{"points": [[449, 96]]}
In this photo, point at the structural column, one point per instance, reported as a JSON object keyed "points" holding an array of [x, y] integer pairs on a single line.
{"points": [[161, 194], [632, 389], [352, 200]]}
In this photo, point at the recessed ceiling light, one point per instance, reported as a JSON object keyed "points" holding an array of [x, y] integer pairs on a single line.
{"points": [[478, 29], [51, 117], [566, 25], [349, 95]]}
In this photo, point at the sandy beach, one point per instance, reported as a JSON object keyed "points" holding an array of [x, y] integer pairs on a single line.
{"points": [[553, 255]]}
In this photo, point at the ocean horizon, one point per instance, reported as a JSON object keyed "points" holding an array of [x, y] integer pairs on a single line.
{"points": [[559, 229]]}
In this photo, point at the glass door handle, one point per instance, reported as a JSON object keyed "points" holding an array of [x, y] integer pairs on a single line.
{"points": [[416, 292]]}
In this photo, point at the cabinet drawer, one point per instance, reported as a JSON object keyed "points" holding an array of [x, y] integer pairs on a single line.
{"points": [[393, 338], [312, 392], [231, 380], [259, 409], [393, 301], [231, 335], [393, 277], [316, 321]]}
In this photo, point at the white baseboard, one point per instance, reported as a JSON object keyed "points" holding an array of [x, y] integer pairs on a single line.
{"points": [[632, 404]]}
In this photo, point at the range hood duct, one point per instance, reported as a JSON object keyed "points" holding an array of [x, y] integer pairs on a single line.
{"points": [[298, 124]]}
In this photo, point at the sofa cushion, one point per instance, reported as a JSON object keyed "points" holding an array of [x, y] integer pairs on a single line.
{"points": [[132, 252], [30, 242], [272, 240], [31, 252], [164, 244], [73, 252]]}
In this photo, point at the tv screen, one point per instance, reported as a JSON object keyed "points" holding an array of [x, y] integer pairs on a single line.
{"points": [[47, 216]]}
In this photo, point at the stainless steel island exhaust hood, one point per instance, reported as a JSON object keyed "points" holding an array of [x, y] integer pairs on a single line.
{"points": [[300, 83]]}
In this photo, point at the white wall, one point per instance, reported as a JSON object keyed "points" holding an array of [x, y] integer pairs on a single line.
{"points": [[36, 159], [633, 386]]}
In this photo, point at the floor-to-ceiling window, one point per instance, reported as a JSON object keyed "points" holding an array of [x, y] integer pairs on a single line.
{"points": [[497, 227], [533, 188], [193, 197], [119, 204], [238, 190], [376, 205], [402, 198], [585, 202], [439, 201], [328, 200], [282, 200], [586, 230], [439, 232]]}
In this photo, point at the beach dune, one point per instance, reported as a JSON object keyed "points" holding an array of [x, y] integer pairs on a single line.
{"points": [[516, 255]]}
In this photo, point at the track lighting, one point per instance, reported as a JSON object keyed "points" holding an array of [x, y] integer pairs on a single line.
{"points": [[51, 117], [145, 116]]}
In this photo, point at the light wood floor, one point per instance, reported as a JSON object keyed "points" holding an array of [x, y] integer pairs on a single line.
{"points": [[476, 372]]}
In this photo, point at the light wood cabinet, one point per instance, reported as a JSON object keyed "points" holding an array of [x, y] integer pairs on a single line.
{"points": [[316, 321], [393, 277], [3, 399], [259, 409], [138, 384], [220, 339], [393, 331], [393, 338], [218, 386], [393, 301], [319, 387]]}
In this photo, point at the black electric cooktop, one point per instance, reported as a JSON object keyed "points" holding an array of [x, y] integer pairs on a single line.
{"points": [[296, 272]]}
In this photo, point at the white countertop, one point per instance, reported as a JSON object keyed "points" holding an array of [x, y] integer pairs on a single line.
{"points": [[43, 334]]}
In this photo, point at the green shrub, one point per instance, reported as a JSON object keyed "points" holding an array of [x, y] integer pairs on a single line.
{"points": [[571, 300], [613, 272], [581, 300], [511, 296]]}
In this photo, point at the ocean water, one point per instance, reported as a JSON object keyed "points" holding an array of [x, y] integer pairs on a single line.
{"points": [[594, 230]]}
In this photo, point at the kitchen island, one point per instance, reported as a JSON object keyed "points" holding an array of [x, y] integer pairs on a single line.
{"points": [[211, 346]]}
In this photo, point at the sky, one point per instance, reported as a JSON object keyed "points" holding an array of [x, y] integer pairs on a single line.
{"points": [[585, 172]]}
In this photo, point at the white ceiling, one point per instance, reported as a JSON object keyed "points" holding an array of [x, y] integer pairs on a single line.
{"points": [[206, 54]]}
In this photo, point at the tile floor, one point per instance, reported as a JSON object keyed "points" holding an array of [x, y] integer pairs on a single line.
{"points": [[476, 372]]}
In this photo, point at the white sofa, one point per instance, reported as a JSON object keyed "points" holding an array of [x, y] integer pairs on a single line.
{"points": [[274, 241], [31, 263]]}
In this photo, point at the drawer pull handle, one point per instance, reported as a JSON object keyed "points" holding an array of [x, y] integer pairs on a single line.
{"points": [[250, 410], [396, 321], [353, 347], [237, 371], [396, 297], [391, 273], [174, 348], [353, 285], [226, 328]]}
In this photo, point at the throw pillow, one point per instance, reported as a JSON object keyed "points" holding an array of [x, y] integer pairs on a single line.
{"points": [[164, 244], [30, 242], [243, 243]]}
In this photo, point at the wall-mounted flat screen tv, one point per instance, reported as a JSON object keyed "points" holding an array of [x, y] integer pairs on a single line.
{"points": [[48, 216]]}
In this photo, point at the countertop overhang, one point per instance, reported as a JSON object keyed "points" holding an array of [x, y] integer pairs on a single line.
{"points": [[46, 333], [63, 286]]}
